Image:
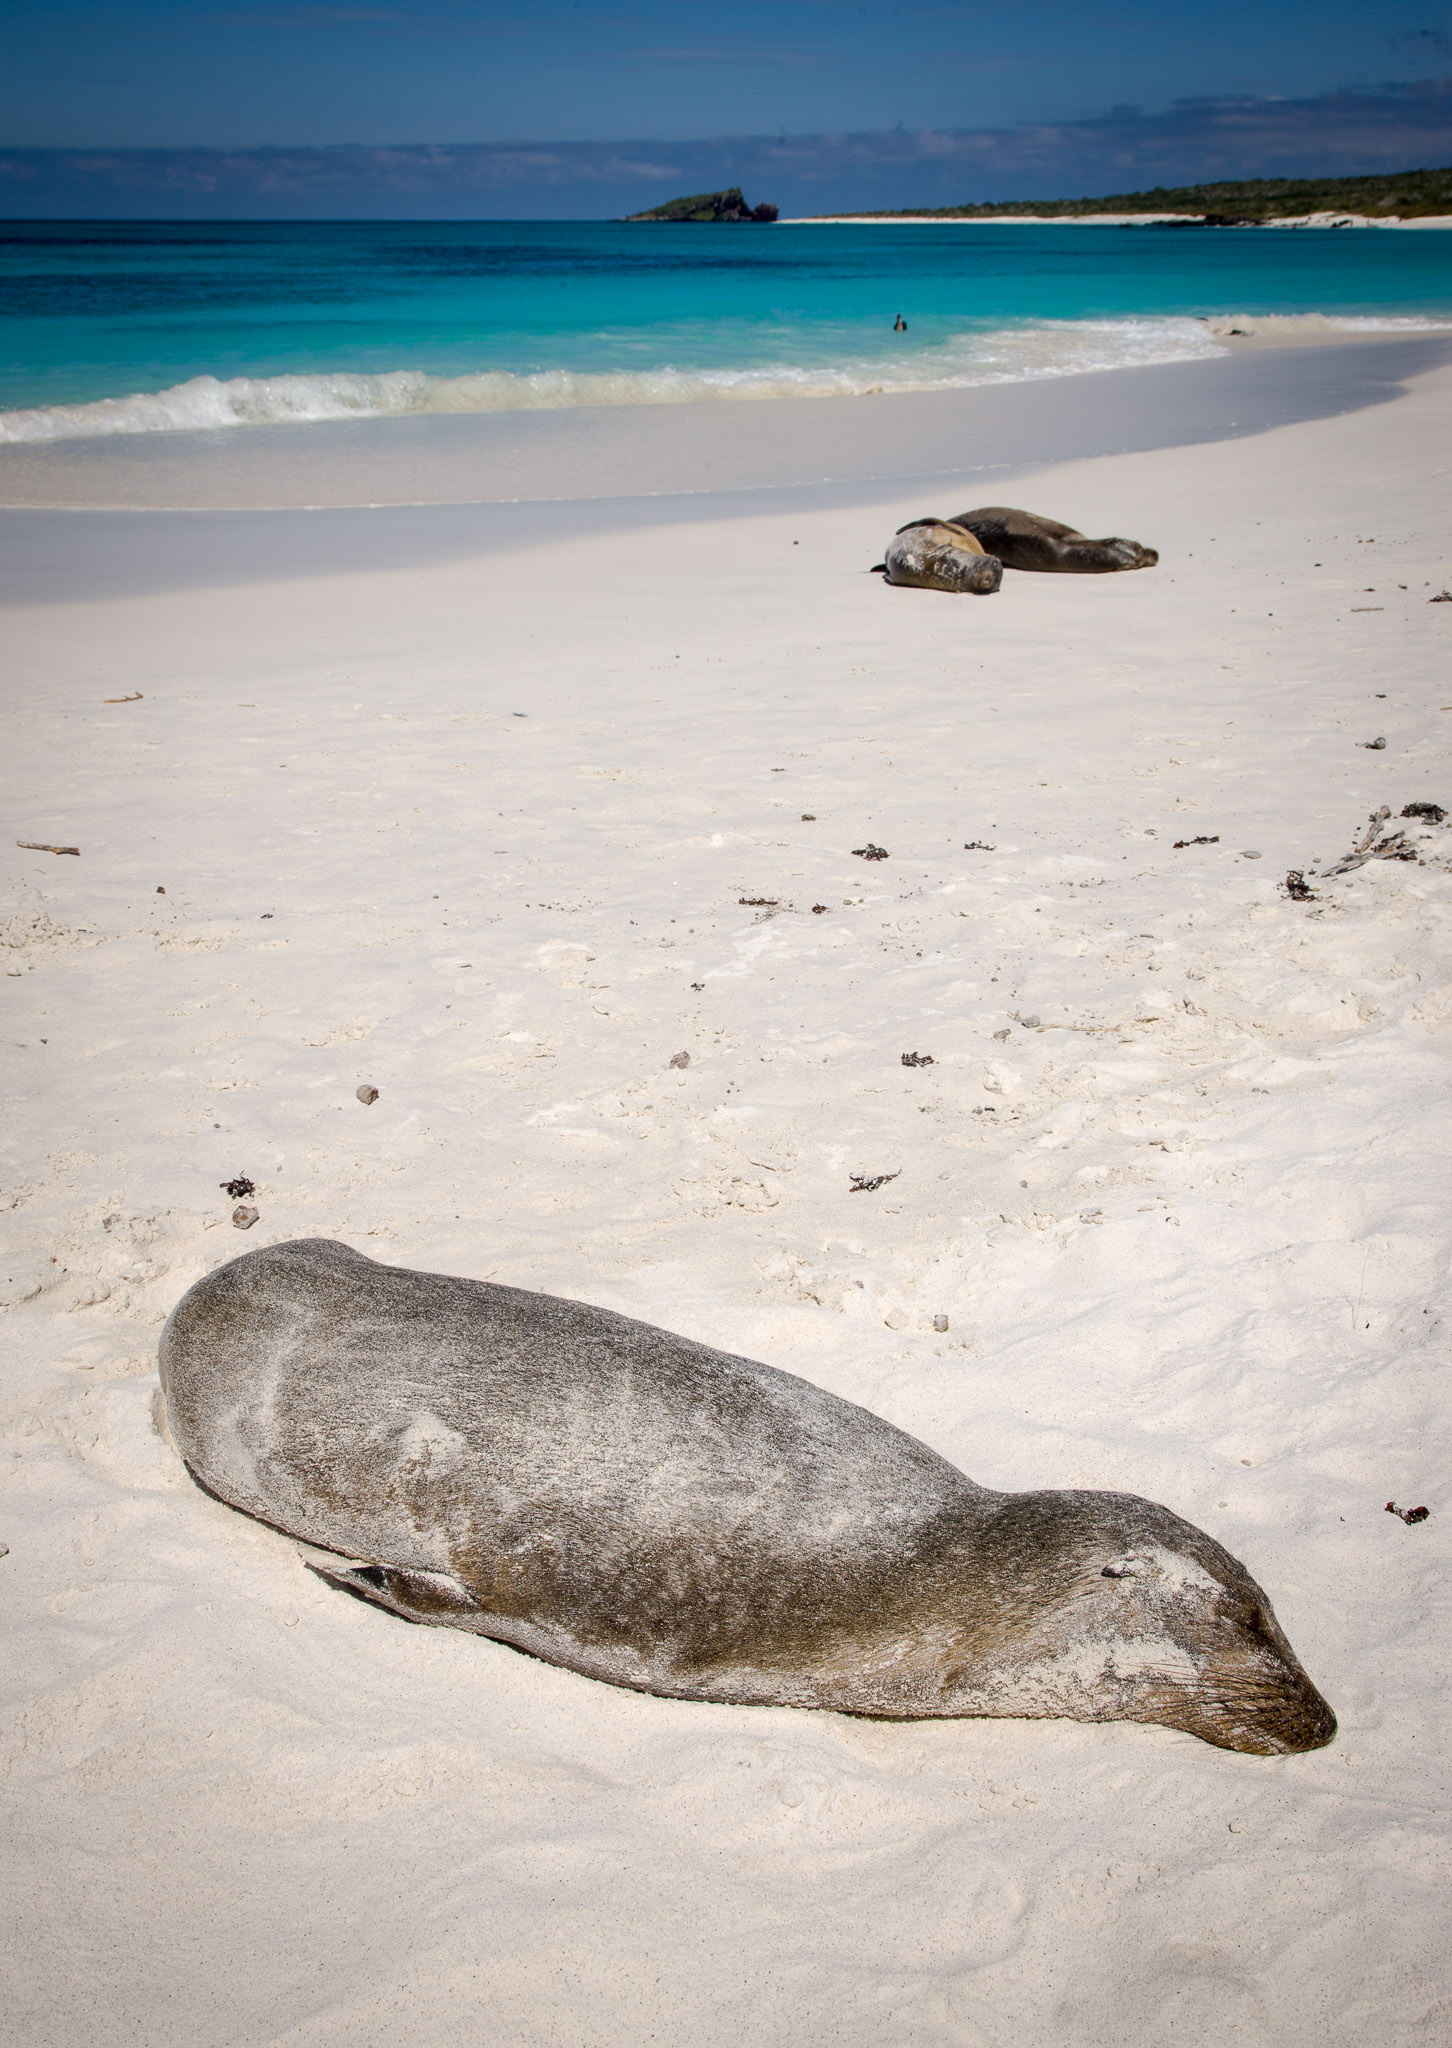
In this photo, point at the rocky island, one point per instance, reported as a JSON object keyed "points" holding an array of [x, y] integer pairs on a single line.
{"points": [[728, 205]]}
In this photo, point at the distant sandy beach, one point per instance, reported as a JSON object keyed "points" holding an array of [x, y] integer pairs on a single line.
{"points": [[493, 762], [1099, 220]]}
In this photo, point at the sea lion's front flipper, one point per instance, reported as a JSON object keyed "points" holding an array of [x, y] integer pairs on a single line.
{"points": [[433, 1598]]}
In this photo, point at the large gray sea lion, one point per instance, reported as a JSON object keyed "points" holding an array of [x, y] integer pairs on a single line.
{"points": [[651, 1512], [1025, 540], [937, 554]]}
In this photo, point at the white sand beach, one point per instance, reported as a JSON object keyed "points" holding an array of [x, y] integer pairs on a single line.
{"points": [[1324, 219], [497, 807]]}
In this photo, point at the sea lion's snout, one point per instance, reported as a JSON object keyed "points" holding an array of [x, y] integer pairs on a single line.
{"points": [[1253, 1699], [1258, 1697], [1305, 1722]]}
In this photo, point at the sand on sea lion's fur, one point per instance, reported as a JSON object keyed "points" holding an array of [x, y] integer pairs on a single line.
{"points": [[646, 1510], [936, 554], [1026, 540]]}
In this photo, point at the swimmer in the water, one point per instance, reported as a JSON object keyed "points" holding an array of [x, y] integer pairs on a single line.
{"points": [[899, 326]]}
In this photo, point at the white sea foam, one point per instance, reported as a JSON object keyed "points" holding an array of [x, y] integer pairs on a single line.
{"points": [[1322, 326], [1057, 348]]}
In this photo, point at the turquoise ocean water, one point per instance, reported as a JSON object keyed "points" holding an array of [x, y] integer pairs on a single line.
{"points": [[134, 327]]}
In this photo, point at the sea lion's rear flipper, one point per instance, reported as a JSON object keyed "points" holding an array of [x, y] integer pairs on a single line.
{"points": [[433, 1598]]}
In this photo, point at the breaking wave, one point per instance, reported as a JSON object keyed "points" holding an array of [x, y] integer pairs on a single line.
{"points": [[1323, 326], [1060, 348]]}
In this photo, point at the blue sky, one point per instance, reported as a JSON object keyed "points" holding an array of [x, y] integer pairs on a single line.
{"points": [[156, 73], [164, 75]]}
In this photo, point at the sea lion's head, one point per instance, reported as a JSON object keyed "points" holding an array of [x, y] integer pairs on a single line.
{"points": [[1113, 1609]]}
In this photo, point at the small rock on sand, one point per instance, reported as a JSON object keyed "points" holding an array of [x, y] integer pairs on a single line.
{"points": [[244, 1216], [367, 1094]]}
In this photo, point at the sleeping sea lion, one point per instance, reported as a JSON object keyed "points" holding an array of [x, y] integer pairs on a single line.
{"points": [[661, 1515], [1024, 540], [937, 554]]}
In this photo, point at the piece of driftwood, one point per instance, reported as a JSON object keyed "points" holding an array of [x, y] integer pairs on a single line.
{"points": [[1363, 846]]}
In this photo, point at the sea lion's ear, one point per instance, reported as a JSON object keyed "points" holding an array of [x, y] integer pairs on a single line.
{"points": [[1133, 1565], [433, 1598]]}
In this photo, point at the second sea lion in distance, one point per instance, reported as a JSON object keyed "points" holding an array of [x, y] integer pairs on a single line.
{"points": [[1025, 540], [938, 554], [658, 1514]]}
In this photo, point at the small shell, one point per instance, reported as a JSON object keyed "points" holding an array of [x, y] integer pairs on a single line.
{"points": [[244, 1216], [366, 1094]]}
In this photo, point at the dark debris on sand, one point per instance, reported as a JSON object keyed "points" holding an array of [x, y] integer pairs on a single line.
{"points": [[869, 1183], [1411, 1516]]}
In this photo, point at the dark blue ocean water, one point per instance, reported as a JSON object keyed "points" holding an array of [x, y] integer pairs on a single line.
{"points": [[143, 326]]}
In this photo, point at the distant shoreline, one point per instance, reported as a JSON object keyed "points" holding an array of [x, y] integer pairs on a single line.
{"points": [[1104, 220]]}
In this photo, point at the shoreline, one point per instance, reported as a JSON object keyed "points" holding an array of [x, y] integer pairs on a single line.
{"points": [[1026, 351], [865, 446], [1107, 220]]}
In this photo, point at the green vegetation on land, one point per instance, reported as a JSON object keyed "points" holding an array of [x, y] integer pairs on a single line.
{"points": [[1407, 194]]}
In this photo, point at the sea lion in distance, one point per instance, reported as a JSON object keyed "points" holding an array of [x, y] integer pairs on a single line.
{"points": [[648, 1511], [1025, 540], [937, 554]]}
